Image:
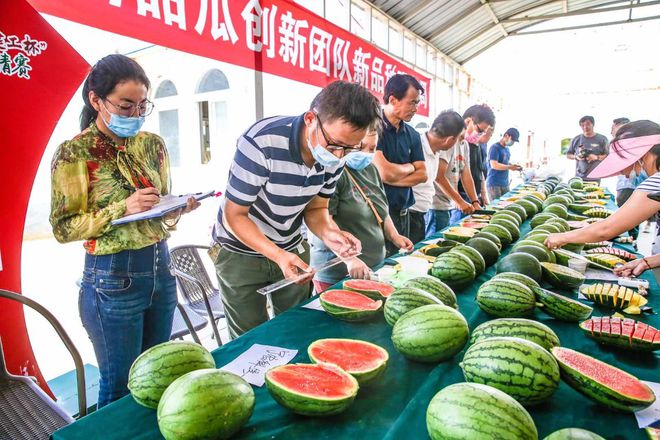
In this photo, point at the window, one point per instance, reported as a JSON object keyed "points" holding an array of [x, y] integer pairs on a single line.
{"points": [[165, 89], [213, 80], [421, 55], [396, 42], [379, 30], [168, 128], [360, 20], [336, 12], [409, 48], [440, 68], [430, 60]]}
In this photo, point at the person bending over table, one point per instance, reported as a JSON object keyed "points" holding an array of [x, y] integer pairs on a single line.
{"points": [[112, 169], [285, 168], [635, 149], [358, 206]]}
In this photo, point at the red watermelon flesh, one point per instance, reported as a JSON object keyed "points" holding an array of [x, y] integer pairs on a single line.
{"points": [[314, 380], [350, 300], [474, 225], [604, 375], [372, 289], [634, 332], [349, 355]]}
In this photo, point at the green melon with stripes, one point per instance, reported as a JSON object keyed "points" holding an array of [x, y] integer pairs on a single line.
{"points": [[512, 227], [541, 218], [205, 404], [535, 200], [311, 389], [521, 368], [519, 277], [403, 300], [601, 382], [435, 287], [518, 210], [510, 215], [562, 307], [561, 276], [558, 209], [521, 262], [549, 228], [454, 269], [540, 253], [472, 411], [522, 328], [537, 236], [155, 369], [430, 333], [500, 232], [487, 248], [556, 198], [489, 236], [504, 298], [573, 434], [527, 242], [561, 222], [530, 208], [474, 256]]}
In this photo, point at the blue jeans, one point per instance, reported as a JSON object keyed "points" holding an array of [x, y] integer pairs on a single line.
{"points": [[436, 221], [126, 304], [456, 216]]}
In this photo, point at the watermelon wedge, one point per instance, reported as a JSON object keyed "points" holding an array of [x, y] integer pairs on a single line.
{"points": [[312, 389], [363, 360], [625, 333], [373, 289], [602, 382], [474, 225], [349, 306]]}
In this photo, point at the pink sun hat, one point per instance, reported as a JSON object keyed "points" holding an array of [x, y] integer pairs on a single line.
{"points": [[625, 152]]}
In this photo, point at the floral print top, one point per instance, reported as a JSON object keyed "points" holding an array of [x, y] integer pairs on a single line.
{"points": [[91, 177]]}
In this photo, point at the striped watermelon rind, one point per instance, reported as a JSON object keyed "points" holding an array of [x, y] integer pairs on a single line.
{"points": [[573, 434], [435, 287], [561, 307], [521, 328], [475, 411], [456, 270], [515, 276], [488, 249], [373, 289], [347, 305], [155, 369], [320, 378], [561, 276], [349, 355], [190, 406], [505, 298], [520, 262], [500, 232], [431, 333], [623, 333], [521, 368], [474, 256], [601, 382], [404, 300]]}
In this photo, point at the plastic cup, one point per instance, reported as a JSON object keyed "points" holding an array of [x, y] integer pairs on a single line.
{"points": [[579, 265]]}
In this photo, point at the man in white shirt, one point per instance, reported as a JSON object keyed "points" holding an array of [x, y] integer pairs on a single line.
{"points": [[444, 133]]}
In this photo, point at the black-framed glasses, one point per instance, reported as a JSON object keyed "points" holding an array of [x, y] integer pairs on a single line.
{"points": [[332, 146], [143, 109]]}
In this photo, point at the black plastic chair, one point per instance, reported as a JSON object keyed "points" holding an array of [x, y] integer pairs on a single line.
{"points": [[186, 321], [195, 285], [26, 411]]}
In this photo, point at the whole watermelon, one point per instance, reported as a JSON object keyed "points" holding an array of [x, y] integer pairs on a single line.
{"points": [[205, 404], [456, 270], [155, 369]]}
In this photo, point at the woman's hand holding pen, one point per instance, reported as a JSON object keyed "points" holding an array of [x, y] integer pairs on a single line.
{"points": [[142, 200]]}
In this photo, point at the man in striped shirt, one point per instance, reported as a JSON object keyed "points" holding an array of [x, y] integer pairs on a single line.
{"points": [[284, 171]]}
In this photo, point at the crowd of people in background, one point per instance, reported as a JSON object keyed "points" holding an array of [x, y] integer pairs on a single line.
{"points": [[348, 177]]}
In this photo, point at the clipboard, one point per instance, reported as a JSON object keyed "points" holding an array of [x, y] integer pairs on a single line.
{"points": [[166, 205]]}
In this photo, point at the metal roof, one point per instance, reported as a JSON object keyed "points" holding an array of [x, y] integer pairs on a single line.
{"points": [[462, 29]]}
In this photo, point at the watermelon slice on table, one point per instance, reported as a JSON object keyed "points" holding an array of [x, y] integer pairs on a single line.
{"points": [[625, 333], [602, 382], [474, 225], [363, 360], [373, 289], [348, 305], [312, 389]]}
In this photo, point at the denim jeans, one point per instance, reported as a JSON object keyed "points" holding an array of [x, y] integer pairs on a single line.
{"points": [[456, 216], [126, 304], [436, 221]]}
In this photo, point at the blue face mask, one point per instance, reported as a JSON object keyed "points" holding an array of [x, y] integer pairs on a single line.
{"points": [[323, 156], [123, 126], [359, 160], [509, 143]]}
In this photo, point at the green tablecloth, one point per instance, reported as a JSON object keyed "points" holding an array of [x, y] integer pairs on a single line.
{"points": [[395, 407]]}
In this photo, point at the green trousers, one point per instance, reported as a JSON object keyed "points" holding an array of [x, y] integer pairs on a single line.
{"points": [[239, 277]]}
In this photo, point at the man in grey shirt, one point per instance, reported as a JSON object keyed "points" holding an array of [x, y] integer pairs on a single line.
{"points": [[587, 149]]}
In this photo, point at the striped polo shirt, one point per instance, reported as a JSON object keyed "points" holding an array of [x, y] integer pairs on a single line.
{"points": [[268, 175]]}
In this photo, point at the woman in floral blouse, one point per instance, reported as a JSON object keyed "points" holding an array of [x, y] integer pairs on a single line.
{"points": [[110, 170]]}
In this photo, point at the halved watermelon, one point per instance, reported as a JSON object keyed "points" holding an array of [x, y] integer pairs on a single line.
{"points": [[373, 289], [602, 382], [474, 225], [363, 360], [312, 389], [349, 306]]}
